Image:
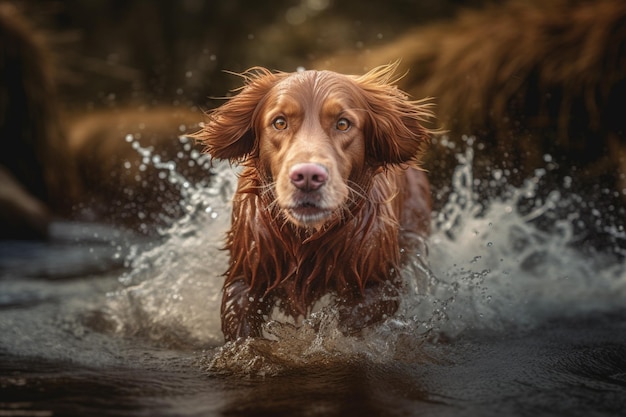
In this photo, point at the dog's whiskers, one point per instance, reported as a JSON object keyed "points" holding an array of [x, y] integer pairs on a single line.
{"points": [[356, 192], [265, 188]]}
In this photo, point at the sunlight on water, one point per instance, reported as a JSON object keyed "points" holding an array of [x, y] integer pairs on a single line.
{"points": [[510, 263]]}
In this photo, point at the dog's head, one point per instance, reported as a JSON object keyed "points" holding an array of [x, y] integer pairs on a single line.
{"points": [[317, 137]]}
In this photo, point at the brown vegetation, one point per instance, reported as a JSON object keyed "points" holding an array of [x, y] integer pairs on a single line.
{"points": [[528, 78], [78, 166]]}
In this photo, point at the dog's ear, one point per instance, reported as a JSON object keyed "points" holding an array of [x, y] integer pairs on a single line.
{"points": [[229, 131], [395, 132]]}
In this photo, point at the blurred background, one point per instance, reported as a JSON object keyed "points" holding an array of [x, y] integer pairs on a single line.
{"points": [[164, 52], [539, 84]]}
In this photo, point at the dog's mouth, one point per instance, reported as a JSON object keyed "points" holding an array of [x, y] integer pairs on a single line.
{"points": [[308, 214]]}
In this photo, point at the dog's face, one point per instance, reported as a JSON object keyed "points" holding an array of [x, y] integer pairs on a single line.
{"points": [[316, 137], [311, 143]]}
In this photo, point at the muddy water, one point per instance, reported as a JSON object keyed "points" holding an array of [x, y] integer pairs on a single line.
{"points": [[510, 315]]}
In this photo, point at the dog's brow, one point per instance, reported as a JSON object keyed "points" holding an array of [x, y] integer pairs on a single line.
{"points": [[312, 86]]}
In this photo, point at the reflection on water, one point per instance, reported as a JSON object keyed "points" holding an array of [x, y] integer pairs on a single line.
{"points": [[509, 316]]}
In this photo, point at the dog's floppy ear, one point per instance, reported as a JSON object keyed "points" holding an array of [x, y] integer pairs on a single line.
{"points": [[229, 131], [394, 132]]}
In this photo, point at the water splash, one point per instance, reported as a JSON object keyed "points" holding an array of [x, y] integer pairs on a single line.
{"points": [[171, 290], [516, 261], [507, 263]]}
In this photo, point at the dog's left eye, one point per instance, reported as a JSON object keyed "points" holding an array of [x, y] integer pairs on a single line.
{"points": [[343, 124], [280, 123]]}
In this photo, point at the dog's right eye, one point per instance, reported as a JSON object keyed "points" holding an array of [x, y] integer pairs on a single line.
{"points": [[280, 123]]}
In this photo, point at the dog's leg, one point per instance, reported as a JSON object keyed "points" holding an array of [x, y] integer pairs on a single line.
{"points": [[242, 314], [378, 302]]}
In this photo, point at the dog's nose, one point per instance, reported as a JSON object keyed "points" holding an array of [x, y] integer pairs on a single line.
{"points": [[308, 177]]}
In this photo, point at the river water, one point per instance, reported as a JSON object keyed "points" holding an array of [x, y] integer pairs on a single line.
{"points": [[513, 314]]}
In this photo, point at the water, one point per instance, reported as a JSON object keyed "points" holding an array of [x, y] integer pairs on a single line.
{"points": [[514, 313]]}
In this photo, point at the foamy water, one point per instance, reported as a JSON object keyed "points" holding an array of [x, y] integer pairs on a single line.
{"points": [[507, 264]]}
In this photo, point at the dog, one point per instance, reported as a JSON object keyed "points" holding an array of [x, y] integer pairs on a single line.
{"points": [[330, 188]]}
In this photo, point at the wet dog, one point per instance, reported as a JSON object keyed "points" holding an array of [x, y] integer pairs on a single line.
{"points": [[330, 183]]}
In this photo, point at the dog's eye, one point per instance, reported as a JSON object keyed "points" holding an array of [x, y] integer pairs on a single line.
{"points": [[280, 123], [343, 124]]}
